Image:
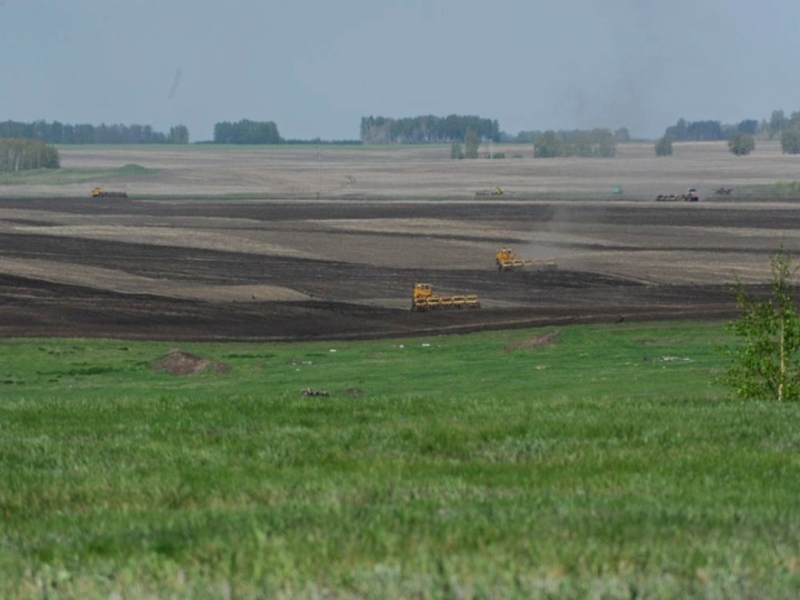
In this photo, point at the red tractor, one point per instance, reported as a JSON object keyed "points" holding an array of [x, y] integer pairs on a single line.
{"points": [[691, 195]]}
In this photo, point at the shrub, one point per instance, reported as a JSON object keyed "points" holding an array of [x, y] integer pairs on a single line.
{"points": [[664, 146], [741, 144]]}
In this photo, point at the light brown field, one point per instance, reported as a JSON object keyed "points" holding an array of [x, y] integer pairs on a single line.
{"points": [[422, 172], [183, 258]]}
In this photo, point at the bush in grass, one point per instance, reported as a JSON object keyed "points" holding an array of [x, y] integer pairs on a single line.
{"points": [[766, 365]]}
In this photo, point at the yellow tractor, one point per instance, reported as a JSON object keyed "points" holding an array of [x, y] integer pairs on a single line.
{"points": [[424, 299], [498, 191], [99, 192], [506, 260]]}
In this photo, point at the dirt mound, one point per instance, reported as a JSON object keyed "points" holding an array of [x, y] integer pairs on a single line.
{"points": [[537, 341], [178, 362]]}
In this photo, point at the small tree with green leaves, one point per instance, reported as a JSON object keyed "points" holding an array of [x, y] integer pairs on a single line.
{"points": [[741, 144], [455, 150], [766, 365], [664, 146]]}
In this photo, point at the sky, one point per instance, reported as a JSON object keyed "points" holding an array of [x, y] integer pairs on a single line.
{"points": [[316, 67]]}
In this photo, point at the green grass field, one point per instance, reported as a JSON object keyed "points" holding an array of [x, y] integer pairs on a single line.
{"points": [[780, 189], [605, 465]]}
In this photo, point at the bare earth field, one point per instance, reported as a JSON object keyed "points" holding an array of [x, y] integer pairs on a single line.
{"points": [[334, 242]]}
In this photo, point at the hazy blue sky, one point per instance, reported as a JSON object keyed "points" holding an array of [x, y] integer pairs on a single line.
{"points": [[315, 67]]}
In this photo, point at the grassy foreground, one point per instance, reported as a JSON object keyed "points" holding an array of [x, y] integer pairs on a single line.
{"points": [[603, 465]]}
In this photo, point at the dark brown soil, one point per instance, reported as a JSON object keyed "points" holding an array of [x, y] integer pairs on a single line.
{"points": [[354, 298]]}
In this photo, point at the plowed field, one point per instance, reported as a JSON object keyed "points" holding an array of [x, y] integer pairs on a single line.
{"points": [[344, 268]]}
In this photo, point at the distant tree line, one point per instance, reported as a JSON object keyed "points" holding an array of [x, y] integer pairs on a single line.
{"points": [[779, 122], [246, 132], [583, 143], [788, 128], [696, 131], [620, 135], [427, 129], [62, 133], [714, 131], [22, 155], [740, 137], [320, 142]]}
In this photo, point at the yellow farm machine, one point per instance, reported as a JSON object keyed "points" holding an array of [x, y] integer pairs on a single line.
{"points": [[99, 192], [425, 299], [507, 261]]}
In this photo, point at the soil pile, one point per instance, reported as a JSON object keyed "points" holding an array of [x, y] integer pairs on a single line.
{"points": [[178, 362], [537, 341]]}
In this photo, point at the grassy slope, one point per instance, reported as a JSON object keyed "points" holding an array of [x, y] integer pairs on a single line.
{"points": [[443, 467]]}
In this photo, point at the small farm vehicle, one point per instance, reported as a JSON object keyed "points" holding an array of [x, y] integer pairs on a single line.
{"points": [[689, 196], [425, 299], [99, 192], [498, 191], [506, 260]]}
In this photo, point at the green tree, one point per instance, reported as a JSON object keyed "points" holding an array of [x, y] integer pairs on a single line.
{"points": [[766, 365], [603, 143], [547, 145], [748, 126], [777, 122], [471, 143], [790, 141], [579, 145], [741, 144], [455, 150], [179, 134], [664, 146], [246, 132], [50, 158], [23, 154]]}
